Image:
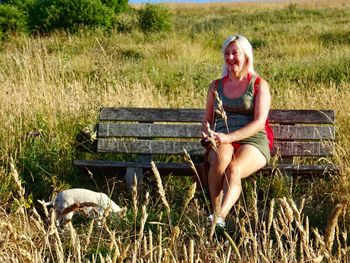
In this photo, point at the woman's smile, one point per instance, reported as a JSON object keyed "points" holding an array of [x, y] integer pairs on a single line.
{"points": [[234, 57]]}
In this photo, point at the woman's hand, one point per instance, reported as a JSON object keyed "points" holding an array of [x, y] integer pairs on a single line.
{"points": [[221, 138]]}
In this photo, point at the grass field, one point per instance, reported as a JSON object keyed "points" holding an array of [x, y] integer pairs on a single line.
{"points": [[53, 86]]}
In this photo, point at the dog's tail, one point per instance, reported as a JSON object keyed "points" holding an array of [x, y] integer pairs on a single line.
{"points": [[43, 203]]}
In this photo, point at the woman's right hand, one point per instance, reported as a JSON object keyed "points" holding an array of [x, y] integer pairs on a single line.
{"points": [[221, 138]]}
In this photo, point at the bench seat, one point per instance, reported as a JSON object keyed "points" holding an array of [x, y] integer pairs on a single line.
{"points": [[183, 169], [304, 140]]}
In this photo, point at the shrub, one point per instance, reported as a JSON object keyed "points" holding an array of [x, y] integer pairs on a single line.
{"points": [[22, 5], [154, 18], [12, 19], [117, 6], [126, 22], [47, 15]]}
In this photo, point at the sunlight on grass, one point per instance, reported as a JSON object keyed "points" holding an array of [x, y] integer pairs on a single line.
{"points": [[53, 86]]}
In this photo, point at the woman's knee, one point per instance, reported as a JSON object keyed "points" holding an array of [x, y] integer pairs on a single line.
{"points": [[232, 167], [217, 160]]}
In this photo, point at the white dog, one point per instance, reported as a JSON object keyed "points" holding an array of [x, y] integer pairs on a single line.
{"points": [[80, 200]]}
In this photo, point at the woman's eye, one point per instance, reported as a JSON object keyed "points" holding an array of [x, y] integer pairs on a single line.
{"points": [[235, 53]]}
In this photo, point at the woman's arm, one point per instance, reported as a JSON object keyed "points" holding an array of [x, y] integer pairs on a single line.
{"points": [[209, 108], [261, 111]]}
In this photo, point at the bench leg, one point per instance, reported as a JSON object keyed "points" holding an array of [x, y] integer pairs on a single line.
{"points": [[129, 177]]}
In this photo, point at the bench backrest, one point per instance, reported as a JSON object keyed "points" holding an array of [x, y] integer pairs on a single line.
{"points": [[170, 131]]}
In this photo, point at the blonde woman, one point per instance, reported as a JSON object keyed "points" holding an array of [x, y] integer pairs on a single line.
{"points": [[244, 137]]}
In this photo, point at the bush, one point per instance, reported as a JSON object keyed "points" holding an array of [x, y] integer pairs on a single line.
{"points": [[47, 15], [154, 18], [22, 5], [126, 22], [12, 19], [117, 6]]}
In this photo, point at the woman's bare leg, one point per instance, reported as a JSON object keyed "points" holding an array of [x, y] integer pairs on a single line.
{"points": [[247, 160], [218, 164]]}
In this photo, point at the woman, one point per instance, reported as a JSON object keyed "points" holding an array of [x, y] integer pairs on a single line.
{"points": [[243, 140]]}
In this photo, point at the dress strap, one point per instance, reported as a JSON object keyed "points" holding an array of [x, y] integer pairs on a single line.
{"points": [[256, 85], [216, 84]]}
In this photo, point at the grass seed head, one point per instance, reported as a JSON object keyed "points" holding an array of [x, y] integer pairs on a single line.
{"points": [[160, 186], [288, 211], [331, 226]]}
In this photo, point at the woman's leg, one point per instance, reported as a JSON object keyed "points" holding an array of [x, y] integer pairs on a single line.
{"points": [[247, 160], [218, 164]]}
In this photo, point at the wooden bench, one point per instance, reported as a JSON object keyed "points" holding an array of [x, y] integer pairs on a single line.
{"points": [[304, 141]]}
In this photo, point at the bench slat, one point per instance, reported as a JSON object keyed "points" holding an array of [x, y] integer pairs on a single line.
{"points": [[148, 130], [193, 147], [291, 132], [184, 169], [302, 116], [195, 115], [151, 114]]}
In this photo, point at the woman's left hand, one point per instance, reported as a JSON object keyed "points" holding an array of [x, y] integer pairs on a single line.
{"points": [[221, 138]]}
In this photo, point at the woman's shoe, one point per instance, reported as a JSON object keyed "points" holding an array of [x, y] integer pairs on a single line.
{"points": [[220, 222]]}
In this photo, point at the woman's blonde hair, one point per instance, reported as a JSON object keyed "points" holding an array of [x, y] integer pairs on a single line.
{"points": [[247, 50]]}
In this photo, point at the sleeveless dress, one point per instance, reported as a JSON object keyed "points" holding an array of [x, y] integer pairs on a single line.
{"points": [[239, 112]]}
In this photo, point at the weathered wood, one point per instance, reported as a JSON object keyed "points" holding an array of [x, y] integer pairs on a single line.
{"points": [[152, 131], [302, 149], [195, 115], [151, 114], [292, 148], [291, 132], [148, 146], [149, 130], [184, 169], [302, 116]]}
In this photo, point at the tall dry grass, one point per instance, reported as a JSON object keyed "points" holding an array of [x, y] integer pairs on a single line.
{"points": [[52, 86], [284, 235]]}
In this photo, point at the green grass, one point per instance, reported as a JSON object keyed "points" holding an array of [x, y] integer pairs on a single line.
{"points": [[56, 84]]}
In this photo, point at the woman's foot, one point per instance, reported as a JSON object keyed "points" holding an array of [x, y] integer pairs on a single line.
{"points": [[220, 222]]}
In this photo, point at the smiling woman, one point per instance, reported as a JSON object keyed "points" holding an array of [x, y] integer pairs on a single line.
{"points": [[237, 109]]}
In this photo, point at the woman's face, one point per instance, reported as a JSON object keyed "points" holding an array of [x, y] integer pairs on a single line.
{"points": [[234, 58]]}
